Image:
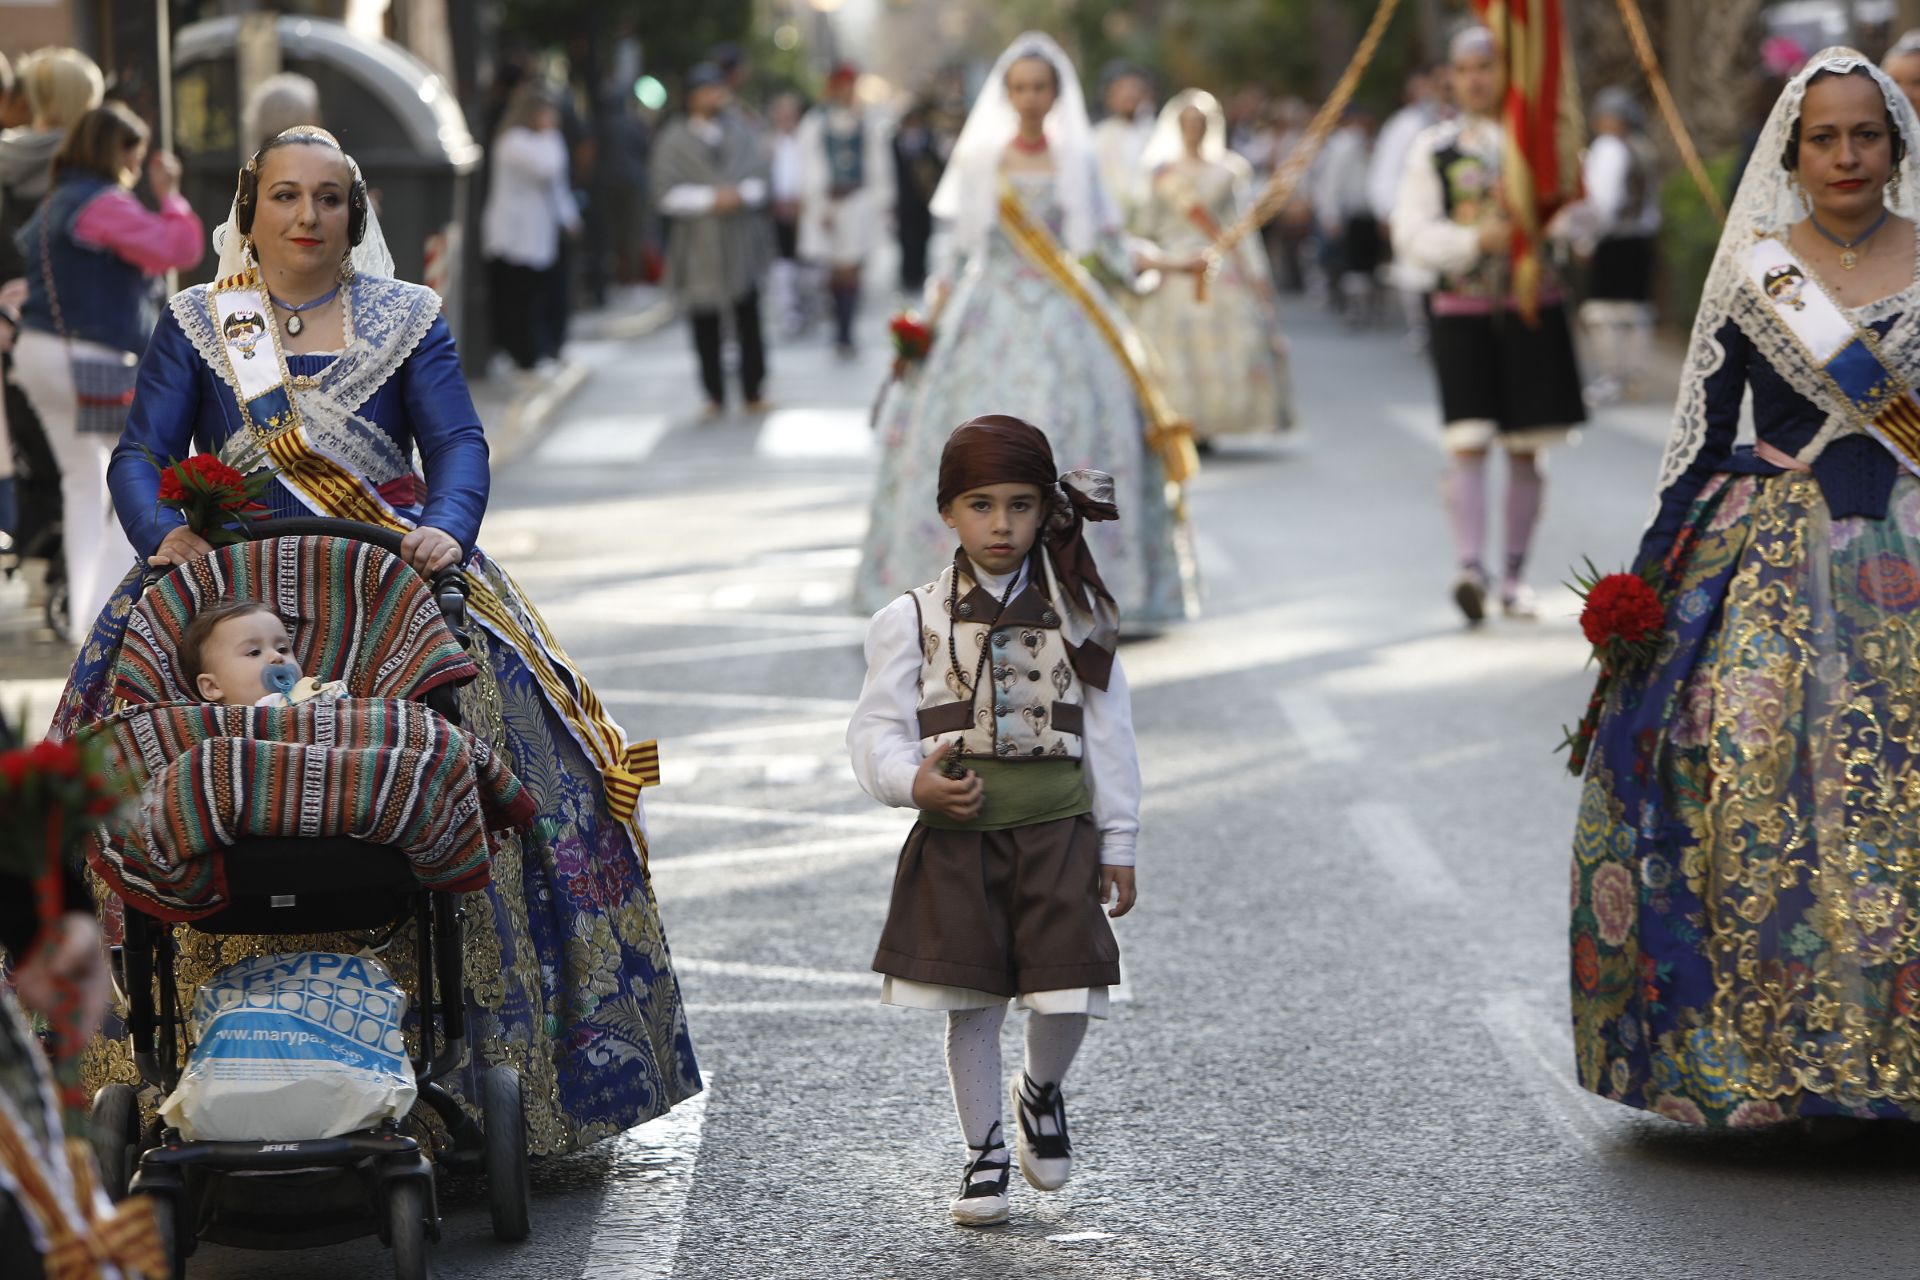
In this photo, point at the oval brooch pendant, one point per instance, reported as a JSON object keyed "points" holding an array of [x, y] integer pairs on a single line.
{"points": [[295, 324]]}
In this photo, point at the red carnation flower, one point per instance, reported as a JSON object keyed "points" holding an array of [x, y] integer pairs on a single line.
{"points": [[911, 339], [62, 759], [14, 767], [214, 471], [171, 490], [1621, 607]]}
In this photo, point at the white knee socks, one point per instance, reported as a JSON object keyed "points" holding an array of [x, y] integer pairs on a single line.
{"points": [[973, 1060], [973, 1065]]}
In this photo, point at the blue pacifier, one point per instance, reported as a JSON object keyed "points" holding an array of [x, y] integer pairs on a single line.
{"points": [[280, 678]]}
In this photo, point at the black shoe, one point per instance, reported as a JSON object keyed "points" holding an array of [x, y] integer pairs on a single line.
{"points": [[1470, 594], [982, 1201], [1046, 1159]]}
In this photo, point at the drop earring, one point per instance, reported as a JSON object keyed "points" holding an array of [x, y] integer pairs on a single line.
{"points": [[1893, 185], [346, 267]]}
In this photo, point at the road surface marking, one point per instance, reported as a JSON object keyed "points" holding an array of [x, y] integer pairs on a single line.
{"points": [[835, 727], [1389, 833], [815, 433], [645, 1212], [1521, 1041], [701, 1008], [842, 707], [792, 851], [776, 972], [603, 441], [783, 817], [1314, 722], [730, 649]]}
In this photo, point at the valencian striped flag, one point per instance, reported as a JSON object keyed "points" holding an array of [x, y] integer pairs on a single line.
{"points": [[1541, 126]]}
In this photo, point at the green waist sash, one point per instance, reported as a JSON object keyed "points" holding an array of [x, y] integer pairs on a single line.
{"points": [[1019, 793]]}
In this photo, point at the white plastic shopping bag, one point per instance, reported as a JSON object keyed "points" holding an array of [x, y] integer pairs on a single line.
{"points": [[294, 1046]]}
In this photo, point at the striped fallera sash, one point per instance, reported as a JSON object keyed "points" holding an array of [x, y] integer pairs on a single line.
{"points": [[1168, 434], [1847, 356]]}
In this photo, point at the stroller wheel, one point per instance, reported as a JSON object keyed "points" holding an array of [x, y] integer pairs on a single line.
{"points": [[176, 1247], [407, 1228], [115, 1133], [508, 1194]]}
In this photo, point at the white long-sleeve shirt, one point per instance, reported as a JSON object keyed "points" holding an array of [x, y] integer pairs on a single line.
{"points": [[884, 736], [528, 200], [1424, 235]]}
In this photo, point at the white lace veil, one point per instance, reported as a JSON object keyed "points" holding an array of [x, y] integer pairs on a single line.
{"points": [[1767, 204], [968, 194], [1167, 145], [370, 257]]}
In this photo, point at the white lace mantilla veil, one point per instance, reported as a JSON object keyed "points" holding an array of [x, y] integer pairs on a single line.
{"points": [[370, 257], [1165, 145], [1767, 204], [968, 196]]}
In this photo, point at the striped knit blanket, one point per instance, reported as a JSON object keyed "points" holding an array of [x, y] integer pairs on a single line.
{"points": [[380, 770], [357, 614]]}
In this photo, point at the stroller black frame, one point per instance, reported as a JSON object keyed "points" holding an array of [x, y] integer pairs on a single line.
{"points": [[376, 1180]]}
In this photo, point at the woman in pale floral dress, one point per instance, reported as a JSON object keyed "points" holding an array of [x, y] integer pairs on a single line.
{"points": [[1218, 337], [1021, 329]]}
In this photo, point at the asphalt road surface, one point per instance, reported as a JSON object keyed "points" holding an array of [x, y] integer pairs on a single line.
{"points": [[1341, 1049]]}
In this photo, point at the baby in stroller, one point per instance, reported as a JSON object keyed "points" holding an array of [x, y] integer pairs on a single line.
{"points": [[264, 814], [240, 653]]}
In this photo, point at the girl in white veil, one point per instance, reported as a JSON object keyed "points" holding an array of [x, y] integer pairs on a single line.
{"points": [[1746, 881], [1021, 328], [1218, 337]]}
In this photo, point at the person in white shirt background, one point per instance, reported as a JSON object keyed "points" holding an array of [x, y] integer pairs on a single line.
{"points": [[530, 208], [710, 179], [846, 193], [1121, 134], [789, 286], [1617, 224], [1343, 207], [1424, 107]]}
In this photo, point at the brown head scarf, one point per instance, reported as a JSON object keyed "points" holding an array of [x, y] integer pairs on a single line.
{"points": [[999, 449]]}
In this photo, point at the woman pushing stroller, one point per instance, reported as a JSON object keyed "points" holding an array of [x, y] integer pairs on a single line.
{"points": [[304, 356]]}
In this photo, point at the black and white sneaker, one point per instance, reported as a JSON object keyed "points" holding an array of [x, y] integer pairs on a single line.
{"points": [[982, 1201], [1046, 1154]]}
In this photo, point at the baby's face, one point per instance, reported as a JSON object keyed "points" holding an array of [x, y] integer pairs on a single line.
{"points": [[236, 655]]}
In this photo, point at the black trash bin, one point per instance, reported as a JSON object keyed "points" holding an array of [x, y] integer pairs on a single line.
{"points": [[392, 112]]}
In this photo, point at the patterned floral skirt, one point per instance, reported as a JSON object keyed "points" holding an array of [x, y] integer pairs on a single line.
{"points": [[1746, 871], [567, 968]]}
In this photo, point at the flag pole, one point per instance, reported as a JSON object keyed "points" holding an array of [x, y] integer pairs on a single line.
{"points": [[163, 88]]}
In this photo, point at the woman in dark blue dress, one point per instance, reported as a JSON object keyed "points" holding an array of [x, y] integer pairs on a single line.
{"points": [[306, 356]]}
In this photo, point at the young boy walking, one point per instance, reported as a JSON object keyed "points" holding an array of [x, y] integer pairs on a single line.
{"points": [[995, 705]]}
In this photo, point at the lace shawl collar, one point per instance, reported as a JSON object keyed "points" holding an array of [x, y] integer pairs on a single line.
{"points": [[387, 319]]}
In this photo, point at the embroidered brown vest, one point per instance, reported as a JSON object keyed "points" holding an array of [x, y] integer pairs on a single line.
{"points": [[1029, 703]]}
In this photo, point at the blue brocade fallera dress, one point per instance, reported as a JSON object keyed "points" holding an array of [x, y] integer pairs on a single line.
{"points": [[566, 959], [1746, 871], [1011, 341]]}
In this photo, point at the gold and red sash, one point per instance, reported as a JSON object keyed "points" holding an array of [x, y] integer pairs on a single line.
{"points": [[1168, 434], [332, 489]]}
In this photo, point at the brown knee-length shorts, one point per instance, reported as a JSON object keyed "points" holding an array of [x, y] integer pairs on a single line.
{"points": [[1006, 912]]}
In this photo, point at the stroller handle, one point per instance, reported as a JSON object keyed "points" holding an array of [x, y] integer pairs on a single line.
{"points": [[449, 584]]}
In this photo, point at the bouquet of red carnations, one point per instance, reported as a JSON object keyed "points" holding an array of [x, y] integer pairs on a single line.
{"points": [[1622, 617], [912, 339], [51, 795], [213, 496]]}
